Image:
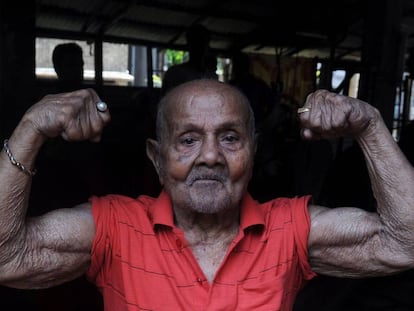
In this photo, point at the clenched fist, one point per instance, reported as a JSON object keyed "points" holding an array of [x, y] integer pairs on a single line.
{"points": [[73, 115], [330, 115]]}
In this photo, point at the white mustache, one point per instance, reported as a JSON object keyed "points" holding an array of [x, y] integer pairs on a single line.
{"points": [[194, 176]]}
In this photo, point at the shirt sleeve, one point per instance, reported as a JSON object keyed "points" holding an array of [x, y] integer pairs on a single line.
{"points": [[101, 211], [300, 214]]}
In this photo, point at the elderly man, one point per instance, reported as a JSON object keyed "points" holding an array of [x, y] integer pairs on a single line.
{"points": [[204, 243]]}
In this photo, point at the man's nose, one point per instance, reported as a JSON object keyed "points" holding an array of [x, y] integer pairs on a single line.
{"points": [[210, 152]]}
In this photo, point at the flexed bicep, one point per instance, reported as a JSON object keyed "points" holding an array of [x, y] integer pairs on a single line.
{"points": [[55, 248], [351, 242], [50, 249]]}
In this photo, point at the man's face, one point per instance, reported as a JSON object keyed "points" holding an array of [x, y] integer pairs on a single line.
{"points": [[206, 157]]}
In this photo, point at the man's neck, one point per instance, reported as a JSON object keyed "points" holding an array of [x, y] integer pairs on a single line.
{"points": [[209, 236], [207, 226]]}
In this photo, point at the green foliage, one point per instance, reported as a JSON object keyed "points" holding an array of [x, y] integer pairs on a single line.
{"points": [[175, 57]]}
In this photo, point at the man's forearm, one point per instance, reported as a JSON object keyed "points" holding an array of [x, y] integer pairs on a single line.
{"points": [[392, 179], [15, 183]]}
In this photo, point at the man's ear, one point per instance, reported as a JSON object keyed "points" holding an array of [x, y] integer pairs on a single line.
{"points": [[153, 153]]}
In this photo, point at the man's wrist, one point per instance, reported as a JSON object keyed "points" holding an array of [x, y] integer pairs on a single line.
{"points": [[16, 163]]}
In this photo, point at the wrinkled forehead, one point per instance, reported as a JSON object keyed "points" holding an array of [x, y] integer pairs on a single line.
{"points": [[207, 96]]}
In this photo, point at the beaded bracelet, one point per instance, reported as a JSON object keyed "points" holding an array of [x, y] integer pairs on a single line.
{"points": [[16, 163]]}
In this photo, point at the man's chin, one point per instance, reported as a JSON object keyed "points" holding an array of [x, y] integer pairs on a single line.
{"points": [[212, 200]]}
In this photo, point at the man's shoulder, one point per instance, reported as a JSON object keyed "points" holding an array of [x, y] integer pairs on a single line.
{"points": [[283, 201], [119, 201], [288, 205]]}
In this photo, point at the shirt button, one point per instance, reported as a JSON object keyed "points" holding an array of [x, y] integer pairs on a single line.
{"points": [[199, 280]]}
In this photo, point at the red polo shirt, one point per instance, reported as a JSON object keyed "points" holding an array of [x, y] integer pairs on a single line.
{"points": [[141, 260]]}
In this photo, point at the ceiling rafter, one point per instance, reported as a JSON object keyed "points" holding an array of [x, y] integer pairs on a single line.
{"points": [[294, 25]]}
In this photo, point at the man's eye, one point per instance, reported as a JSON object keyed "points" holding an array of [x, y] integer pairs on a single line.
{"points": [[187, 141], [230, 138]]}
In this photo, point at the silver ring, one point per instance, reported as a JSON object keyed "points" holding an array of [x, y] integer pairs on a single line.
{"points": [[303, 109], [101, 106]]}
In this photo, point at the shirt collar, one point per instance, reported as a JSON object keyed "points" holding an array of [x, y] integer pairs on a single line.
{"points": [[161, 211], [251, 213]]}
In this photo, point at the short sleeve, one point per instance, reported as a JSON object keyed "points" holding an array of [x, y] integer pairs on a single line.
{"points": [[301, 217]]}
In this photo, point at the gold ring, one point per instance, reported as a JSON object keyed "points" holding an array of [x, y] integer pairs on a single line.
{"points": [[303, 109]]}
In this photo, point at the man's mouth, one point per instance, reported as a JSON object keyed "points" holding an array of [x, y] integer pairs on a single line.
{"points": [[205, 179]]}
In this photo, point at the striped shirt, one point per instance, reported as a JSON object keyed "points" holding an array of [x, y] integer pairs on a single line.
{"points": [[141, 260]]}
